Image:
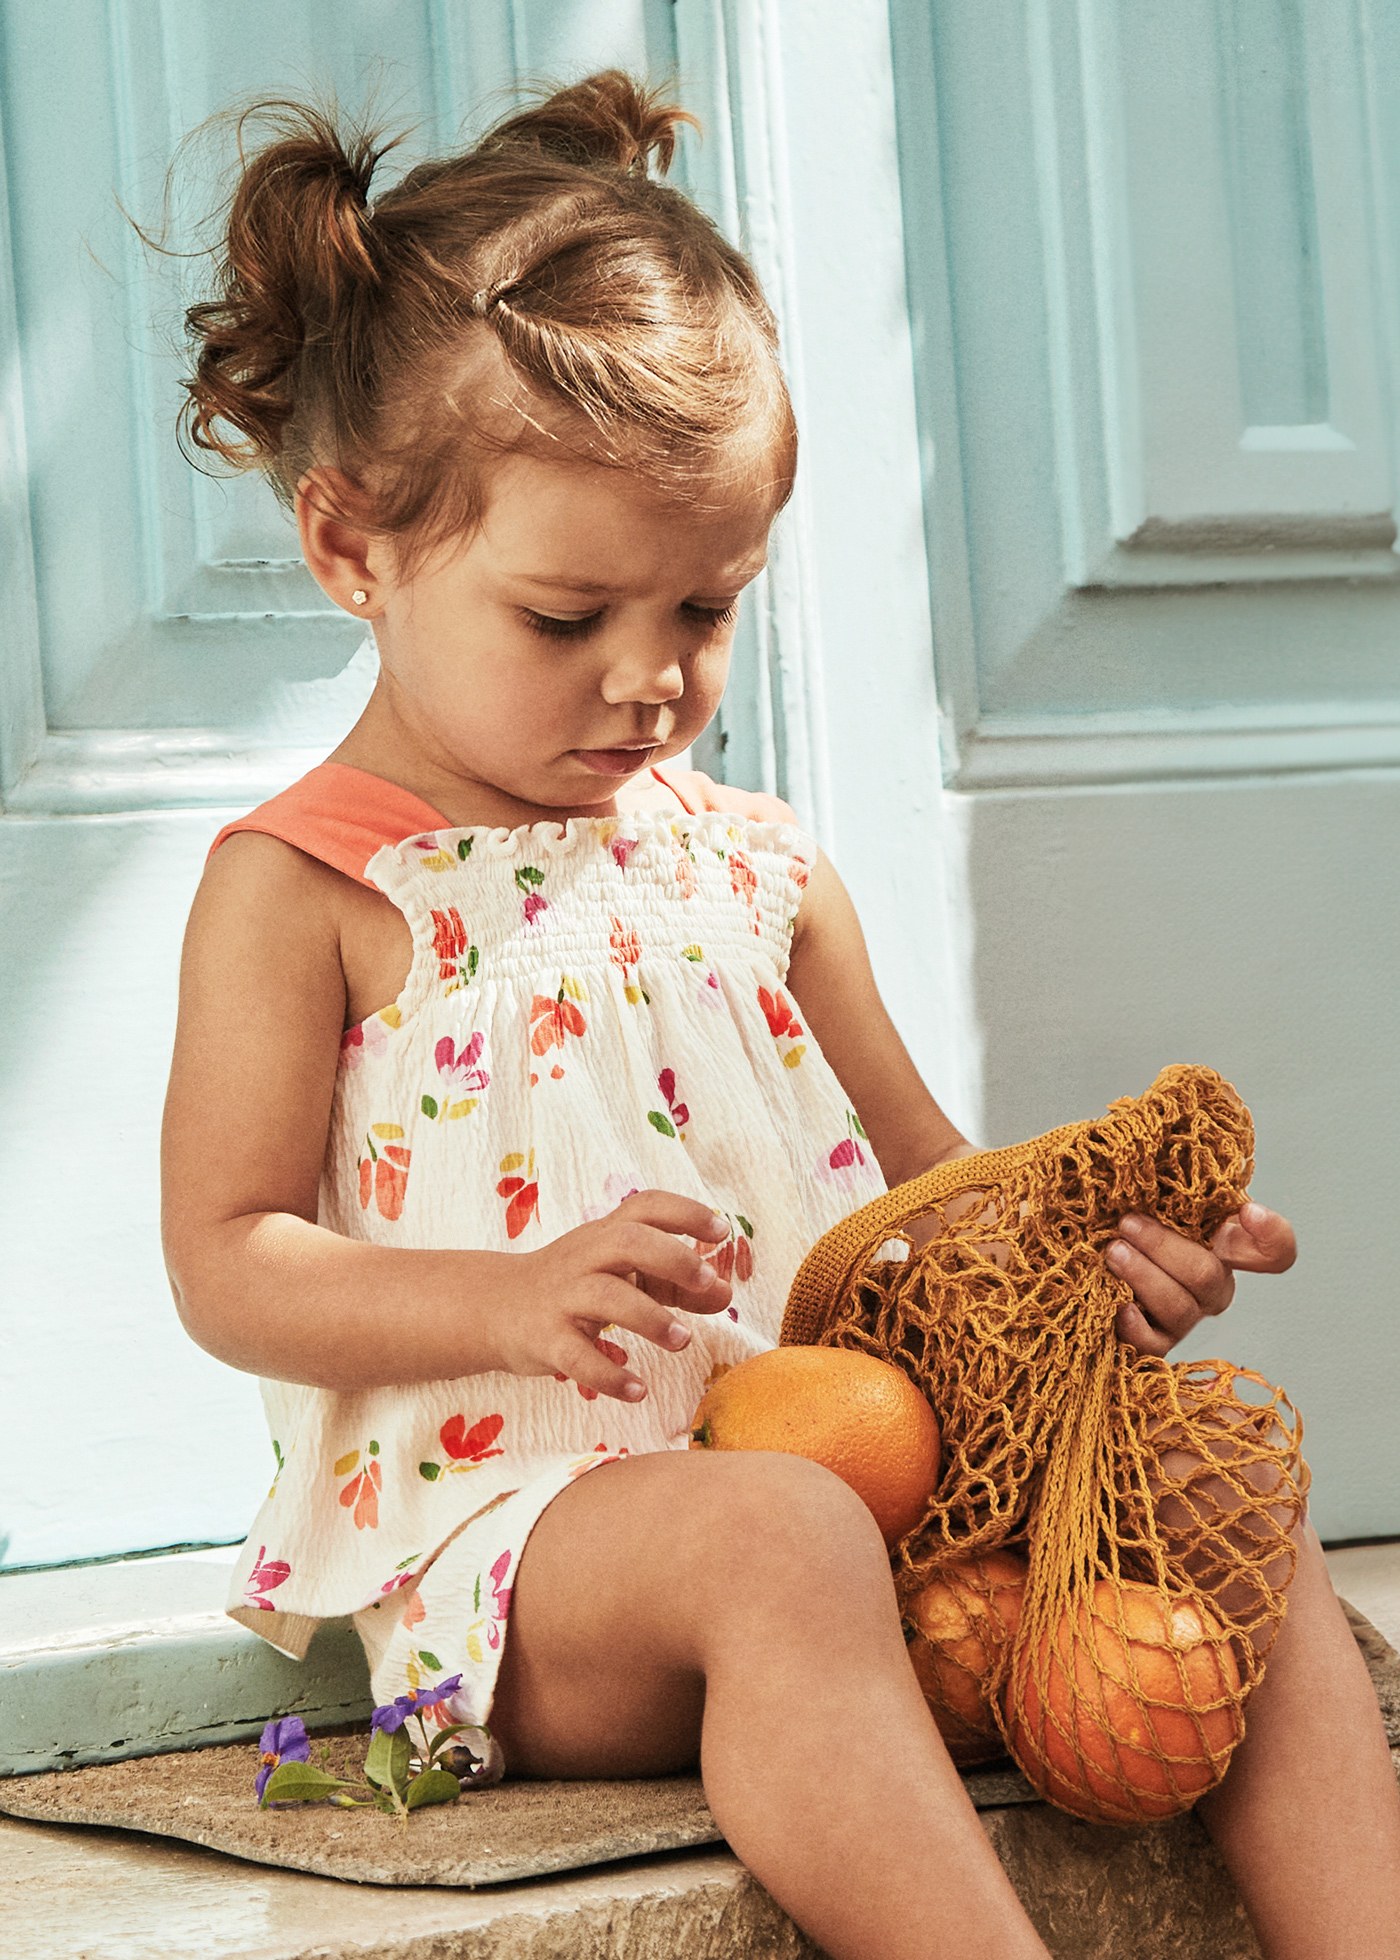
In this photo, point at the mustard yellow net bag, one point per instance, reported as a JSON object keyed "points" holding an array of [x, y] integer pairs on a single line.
{"points": [[1102, 1568]]}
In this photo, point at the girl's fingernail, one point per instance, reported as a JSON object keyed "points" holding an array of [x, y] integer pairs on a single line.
{"points": [[706, 1275], [634, 1391], [719, 1226], [676, 1335], [1117, 1253], [1252, 1214]]}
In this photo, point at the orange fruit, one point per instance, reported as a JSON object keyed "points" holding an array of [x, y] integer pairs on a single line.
{"points": [[1130, 1712], [860, 1416], [956, 1627]]}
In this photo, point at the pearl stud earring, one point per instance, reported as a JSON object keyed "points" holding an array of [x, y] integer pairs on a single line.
{"points": [[360, 598]]}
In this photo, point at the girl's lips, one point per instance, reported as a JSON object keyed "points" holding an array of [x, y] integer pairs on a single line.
{"points": [[615, 762]]}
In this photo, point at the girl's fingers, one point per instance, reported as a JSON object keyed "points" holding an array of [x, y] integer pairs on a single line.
{"points": [[1256, 1240], [1168, 1265], [666, 1267], [1133, 1327], [598, 1366]]}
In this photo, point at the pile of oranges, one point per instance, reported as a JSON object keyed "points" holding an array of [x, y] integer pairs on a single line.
{"points": [[1128, 1708]]}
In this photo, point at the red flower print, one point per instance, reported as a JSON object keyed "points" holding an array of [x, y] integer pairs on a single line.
{"points": [[741, 879], [457, 958], [734, 1257], [778, 1012], [685, 874], [383, 1169], [475, 1443], [626, 948], [552, 1020], [449, 941], [467, 1448], [266, 1575], [522, 1193], [362, 1491]]}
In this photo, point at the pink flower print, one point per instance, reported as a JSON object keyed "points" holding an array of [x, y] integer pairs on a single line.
{"points": [[685, 871], [402, 1576], [267, 1574], [500, 1597], [842, 1165], [362, 1491], [458, 1069], [622, 849], [615, 1189], [365, 1039], [674, 1125], [710, 992], [528, 878]]}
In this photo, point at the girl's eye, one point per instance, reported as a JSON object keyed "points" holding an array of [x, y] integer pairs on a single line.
{"points": [[554, 628]]}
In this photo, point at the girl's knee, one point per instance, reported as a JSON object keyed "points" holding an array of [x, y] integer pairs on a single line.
{"points": [[786, 1522]]}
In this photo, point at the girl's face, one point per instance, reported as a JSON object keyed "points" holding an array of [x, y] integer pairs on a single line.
{"points": [[582, 633]]}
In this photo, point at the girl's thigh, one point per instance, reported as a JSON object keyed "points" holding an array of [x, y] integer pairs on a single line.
{"points": [[633, 1575]]}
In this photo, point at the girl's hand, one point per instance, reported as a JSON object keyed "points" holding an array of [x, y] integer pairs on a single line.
{"points": [[630, 1270], [1177, 1282]]}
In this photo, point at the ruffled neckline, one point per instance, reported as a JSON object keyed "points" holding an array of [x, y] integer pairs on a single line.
{"points": [[558, 836]]}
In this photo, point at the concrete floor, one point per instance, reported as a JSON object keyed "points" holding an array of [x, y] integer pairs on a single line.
{"points": [[69, 1894]]}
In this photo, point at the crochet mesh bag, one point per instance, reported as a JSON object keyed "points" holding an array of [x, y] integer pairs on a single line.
{"points": [[1153, 1502]]}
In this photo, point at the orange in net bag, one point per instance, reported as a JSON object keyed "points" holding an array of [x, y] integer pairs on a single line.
{"points": [[1153, 1502]]}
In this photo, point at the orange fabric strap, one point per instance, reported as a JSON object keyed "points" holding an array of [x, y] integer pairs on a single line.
{"points": [[340, 815]]}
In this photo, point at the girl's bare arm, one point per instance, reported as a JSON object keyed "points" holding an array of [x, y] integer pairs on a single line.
{"points": [[257, 1282], [261, 1285]]}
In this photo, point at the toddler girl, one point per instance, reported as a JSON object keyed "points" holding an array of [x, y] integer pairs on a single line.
{"points": [[516, 1069]]}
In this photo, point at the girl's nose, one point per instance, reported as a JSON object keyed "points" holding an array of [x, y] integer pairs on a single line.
{"points": [[645, 673]]}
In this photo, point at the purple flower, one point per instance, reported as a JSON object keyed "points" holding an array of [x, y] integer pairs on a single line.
{"points": [[282, 1741], [417, 1701]]}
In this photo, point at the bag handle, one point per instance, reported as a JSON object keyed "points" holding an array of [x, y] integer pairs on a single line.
{"points": [[824, 1278]]}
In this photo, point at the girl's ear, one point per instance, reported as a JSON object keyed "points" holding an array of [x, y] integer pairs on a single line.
{"points": [[330, 510]]}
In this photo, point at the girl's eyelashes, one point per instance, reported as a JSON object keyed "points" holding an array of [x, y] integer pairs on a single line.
{"points": [[554, 628]]}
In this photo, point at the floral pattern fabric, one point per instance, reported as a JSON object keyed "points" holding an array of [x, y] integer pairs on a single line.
{"points": [[594, 1007]]}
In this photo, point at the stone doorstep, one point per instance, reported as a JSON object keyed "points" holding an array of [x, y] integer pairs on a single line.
{"points": [[1093, 1893]]}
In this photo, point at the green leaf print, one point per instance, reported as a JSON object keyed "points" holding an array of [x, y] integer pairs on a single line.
{"points": [[464, 846], [659, 1122], [473, 960], [429, 1660], [747, 1231], [528, 874], [430, 1108], [430, 1471]]}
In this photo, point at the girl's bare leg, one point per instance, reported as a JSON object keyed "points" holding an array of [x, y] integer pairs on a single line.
{"points": [[1308, 1816], [738, 1610]]}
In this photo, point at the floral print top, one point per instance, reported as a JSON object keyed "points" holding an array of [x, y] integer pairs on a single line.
{"points": [[594, 1007]]}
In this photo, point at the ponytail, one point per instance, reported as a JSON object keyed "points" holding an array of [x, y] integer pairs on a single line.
{"points": [[298, 266]]}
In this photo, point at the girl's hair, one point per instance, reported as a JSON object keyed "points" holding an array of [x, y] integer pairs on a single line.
{"points": [[538, 291]]}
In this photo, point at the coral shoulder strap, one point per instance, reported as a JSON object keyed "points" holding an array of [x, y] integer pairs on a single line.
{"points": [[341, 815]]}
